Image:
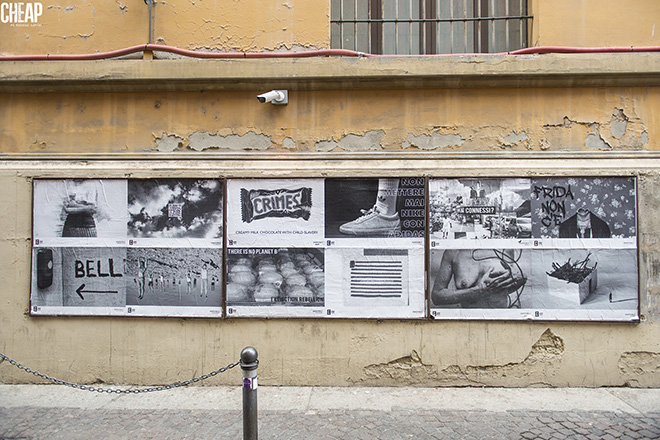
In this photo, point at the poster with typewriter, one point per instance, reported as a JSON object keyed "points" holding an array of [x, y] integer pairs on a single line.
{"points": [[127, 247], [541, 248], [375, 230]]}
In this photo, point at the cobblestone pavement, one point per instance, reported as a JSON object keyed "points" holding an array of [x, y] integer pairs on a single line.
{"points": [[35, 412], [36, 423]]}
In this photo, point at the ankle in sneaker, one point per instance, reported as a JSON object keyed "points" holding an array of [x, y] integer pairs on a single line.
{"points": [[372, 222]]}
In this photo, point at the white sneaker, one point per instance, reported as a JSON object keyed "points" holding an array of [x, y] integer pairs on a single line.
{"points": [[372, 222]]}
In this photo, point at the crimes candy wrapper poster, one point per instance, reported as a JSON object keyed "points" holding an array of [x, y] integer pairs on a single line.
{"points": [[518, 248], [326, 248], [128, 247], [540, 248]]}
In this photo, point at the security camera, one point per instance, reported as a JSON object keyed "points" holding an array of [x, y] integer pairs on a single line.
{"points": [[278, 97]]}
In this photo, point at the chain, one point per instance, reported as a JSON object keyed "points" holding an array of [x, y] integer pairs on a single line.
{"points": [[116, 391]]}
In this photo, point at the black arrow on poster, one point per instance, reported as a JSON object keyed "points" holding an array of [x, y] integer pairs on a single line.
{"points": [[80, 291]]}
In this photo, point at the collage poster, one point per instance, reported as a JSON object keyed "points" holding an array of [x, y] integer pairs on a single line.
{"points": [[540, 248], [342, 248], [127, 247]]}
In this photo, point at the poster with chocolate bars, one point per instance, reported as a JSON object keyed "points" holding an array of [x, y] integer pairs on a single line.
{"points": [[342, 248], [127, 247], [539, 248]]}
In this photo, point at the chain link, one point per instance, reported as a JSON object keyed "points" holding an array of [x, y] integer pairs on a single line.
{"points": [[117, 391]]}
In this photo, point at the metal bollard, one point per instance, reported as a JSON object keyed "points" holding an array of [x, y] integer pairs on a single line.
{"points": [[249, 364]]}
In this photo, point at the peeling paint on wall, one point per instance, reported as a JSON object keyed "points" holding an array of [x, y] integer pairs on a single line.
{"points": [[622, 131], [638, 363], [201, 141], [515, 138], [543, 361], [168, 142], [433, 141], [594, 141], [289, 143], [408, 370], [371, 140], [618, 123]]}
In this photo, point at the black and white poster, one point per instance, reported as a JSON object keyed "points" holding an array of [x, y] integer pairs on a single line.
{"points": [[128, 247], [175, 209], [375, 231], [275, 248], [580, 208], [480, 209], [340, 248], [541, 248], [276, 279], [79, 212]]}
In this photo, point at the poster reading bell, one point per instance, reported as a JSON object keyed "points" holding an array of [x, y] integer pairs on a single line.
{"points": [[325, 248]]}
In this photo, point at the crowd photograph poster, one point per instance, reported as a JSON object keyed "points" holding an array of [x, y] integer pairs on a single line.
{"points": [[540, 248], [343, 248], [127, 247]]}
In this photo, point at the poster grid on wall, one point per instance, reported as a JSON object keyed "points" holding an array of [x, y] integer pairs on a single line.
{"points": [[540, 248]]}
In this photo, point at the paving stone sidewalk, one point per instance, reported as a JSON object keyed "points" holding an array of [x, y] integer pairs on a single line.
{"points": [[66, 423], [49, 412]]}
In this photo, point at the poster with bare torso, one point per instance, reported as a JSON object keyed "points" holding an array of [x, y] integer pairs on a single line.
{"points": [[540, 248]]}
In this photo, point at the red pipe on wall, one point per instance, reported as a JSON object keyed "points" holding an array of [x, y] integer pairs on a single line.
{"points": [[303, 54]]}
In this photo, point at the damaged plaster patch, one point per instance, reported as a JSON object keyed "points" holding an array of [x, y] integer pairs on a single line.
{"points": [[515, 138], [618, 123], [433, 141], [543, 361], [639, 363], [595, 141], [371, 140], [169, 142], [289, 143], [622, 131], [200, 141], [409, 370]]}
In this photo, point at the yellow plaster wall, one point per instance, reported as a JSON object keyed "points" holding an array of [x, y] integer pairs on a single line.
{"points": [[320, 352], [309, 352], [82, 26], [540, 119], [595, 23]]}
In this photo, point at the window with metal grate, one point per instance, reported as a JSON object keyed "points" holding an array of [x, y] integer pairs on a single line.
{"points": [[413, 27]]}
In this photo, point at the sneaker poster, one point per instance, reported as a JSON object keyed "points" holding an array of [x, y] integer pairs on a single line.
{"points": [[534, 248], [136, 247], [342, 248]]}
